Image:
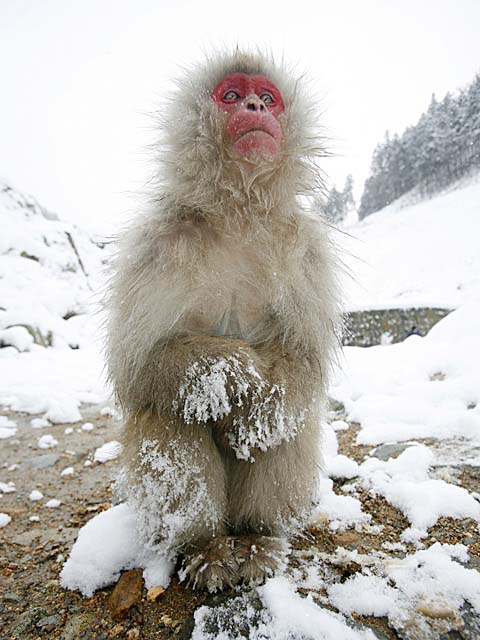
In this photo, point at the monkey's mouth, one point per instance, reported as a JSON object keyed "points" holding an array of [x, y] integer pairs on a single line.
{"points": [[255, 130]]}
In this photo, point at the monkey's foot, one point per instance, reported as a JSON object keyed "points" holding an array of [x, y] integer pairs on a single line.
{"points": [[213, 567], [260, 557]]}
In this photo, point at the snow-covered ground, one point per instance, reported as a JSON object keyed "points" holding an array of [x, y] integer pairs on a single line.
{"points": [[423, 389]]}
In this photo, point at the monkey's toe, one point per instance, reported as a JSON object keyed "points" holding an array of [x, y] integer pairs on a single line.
{"points": [[260, 557], [213, 567]]}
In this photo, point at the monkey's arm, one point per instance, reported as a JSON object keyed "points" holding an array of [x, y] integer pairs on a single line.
{"points": [[199, 378]]}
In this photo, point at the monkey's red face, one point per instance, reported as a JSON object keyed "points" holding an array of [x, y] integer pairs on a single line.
{"points": [[253, 104]]}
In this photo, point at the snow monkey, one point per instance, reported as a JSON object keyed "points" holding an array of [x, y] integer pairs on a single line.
{"points": [[223, 325]]}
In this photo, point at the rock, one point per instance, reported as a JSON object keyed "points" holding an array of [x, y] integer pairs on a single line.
{"points": [[127, 592], [335, 405], [133, 634], [345, 538], [44, 461], [11, 597], [76, 626], [26, 539], [439, 611], [116, 631], [154, 593], [366, 328], [386, 451], [52, 584], [471, 623], [27, 620], [42, 536], [43, 338], [49, 623], [224, 615]]}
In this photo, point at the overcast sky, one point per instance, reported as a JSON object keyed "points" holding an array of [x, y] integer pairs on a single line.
{"points": [[78, 78]]}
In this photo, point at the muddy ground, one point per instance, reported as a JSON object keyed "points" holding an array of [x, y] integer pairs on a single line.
{"points": [[32, 603]]}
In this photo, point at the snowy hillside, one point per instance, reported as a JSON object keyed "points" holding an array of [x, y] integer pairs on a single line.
{"points": [[49, 284], [425, 254], [48, 270]]}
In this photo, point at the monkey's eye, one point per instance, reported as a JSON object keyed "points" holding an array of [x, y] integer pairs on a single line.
{"points": [[267, 98], [231, 96]]}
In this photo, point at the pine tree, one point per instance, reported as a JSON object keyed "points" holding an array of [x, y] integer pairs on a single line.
{"points": [[442, 147]]}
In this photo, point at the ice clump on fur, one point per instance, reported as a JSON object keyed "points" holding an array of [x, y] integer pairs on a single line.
{"points": [[205, 391], [267, 424], [213, 387], [166, 477]]}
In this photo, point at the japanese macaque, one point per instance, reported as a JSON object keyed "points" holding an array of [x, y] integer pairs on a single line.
{"points": [[224, 323]]}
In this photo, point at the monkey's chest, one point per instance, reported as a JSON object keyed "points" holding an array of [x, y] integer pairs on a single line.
{"points": [[234, 299]]}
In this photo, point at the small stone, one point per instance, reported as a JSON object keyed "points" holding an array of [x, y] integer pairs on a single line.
{"points": [[167, 621], [116, 631], [154, 593], [26, 539], [49, 623], [133, 634], [436, 611], [127, 592], [11, 597], [386, 451], [51, 584], [44, 461], [78, 626], [26, 620], [344, 538], [335, 405]]}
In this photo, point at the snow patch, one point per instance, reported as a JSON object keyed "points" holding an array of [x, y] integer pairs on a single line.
{"points": [[4, 520], [405, 483], [108, 451], [106, 545], [7, 428], [47, 442], [426, 581]]}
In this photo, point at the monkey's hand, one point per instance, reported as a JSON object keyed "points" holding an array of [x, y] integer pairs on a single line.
{"points": [[279, 405], [216, 386], [267, 422], [225, 383]]}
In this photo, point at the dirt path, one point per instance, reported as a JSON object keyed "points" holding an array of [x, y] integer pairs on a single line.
{"points": [[32, 604]]}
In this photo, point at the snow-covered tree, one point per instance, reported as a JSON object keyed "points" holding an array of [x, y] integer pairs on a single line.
{"points": [[442, 147]]}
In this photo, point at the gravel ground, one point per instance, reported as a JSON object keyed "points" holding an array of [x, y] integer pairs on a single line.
{"points": [[32, 604]]}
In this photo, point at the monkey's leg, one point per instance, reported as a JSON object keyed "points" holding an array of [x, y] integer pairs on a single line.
{"points": [[271, 497], [175, 479]]}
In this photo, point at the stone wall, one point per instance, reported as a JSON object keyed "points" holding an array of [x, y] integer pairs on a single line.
{"points": [[383, 326]]}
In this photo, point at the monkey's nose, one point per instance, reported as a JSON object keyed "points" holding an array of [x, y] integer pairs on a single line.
{"points": [[255, 104]]}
